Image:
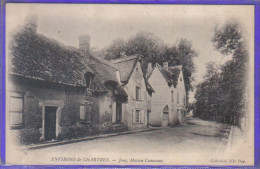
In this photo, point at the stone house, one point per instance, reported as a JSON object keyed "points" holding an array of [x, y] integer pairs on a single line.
{"points": [[169, 100], [136, 110], [51, 86]]}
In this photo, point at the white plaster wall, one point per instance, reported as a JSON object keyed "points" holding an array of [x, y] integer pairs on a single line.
{"points": [[160, 98], [136, 79], [181, 106]]}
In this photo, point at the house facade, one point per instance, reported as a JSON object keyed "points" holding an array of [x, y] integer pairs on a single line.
{"points": [[169, 100], [52, 87], [136, 110]]}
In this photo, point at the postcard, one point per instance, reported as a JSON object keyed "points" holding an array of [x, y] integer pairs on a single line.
{"points": [[129, 84]]}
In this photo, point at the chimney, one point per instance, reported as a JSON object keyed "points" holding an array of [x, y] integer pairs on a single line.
{"points": [[30, 22], [149, 67], [165, 65], [84, 44]]}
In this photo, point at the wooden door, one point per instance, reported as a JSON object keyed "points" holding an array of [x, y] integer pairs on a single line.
{"points": [[165, 118], [118, 112], [50, 123]]}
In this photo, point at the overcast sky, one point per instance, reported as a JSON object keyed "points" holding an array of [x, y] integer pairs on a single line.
{"points": [[65, 22]]}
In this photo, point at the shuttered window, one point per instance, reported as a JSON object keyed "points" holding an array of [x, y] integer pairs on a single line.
{"points": [[85, 113], [82, 112], [137, 116], [16, 111], [138, 93], [172, 97], [178, 99]]}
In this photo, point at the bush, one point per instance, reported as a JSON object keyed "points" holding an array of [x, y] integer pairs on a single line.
{"points": [[29, 136], [106, 128], [75, 132], [71, 132]]}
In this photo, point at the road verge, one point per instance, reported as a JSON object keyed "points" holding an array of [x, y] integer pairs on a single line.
{"points": [[56, 143]]}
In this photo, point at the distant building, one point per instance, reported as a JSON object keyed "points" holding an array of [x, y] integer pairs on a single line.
{"points": [[169, 100]]}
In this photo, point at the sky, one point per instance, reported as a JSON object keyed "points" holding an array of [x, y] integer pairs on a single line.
{"points": [[104, 23]]}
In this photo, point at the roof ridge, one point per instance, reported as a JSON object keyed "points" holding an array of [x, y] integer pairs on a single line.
{"points": [[131, 57], [104, 62], [176, 66]]}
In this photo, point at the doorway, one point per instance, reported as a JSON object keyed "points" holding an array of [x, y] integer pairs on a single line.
{"points": [[165, 120], [50, 123], [118, 112]]}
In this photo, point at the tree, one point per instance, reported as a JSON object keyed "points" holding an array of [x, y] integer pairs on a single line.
{"points": [[154, 50], [148, 45], [208, 94], [115, 49], [228, 38], [186, 54], [226, 87]]}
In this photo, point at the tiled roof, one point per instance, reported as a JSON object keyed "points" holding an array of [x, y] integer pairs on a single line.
{"points": [[126, 66], [37, 57], [171, 75]]}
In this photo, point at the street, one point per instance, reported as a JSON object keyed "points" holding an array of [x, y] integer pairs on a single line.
{"points": [[195, 136]]}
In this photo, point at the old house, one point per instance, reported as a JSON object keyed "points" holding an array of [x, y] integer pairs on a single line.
{"points": [[139, 91], [169, 99], [51, 87]]}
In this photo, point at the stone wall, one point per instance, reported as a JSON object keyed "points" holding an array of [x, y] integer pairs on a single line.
{"points": [[38, 94]]}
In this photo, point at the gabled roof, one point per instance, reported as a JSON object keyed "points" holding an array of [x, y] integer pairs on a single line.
{"points": [[103, 71], [171, 75], [37, 57], [126, 66], [106, 73]]}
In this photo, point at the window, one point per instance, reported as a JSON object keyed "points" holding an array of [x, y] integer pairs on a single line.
{"points": [[178, 97], [172, 97], [138, 93], [184, 100], [85, 113], [136, 69], [88, 81], [118, 112], [137, 116], [180, 78], [82, 112], [89, 78], [16, 110]]}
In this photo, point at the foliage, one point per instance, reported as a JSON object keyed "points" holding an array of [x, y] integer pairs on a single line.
{"points": [[228, 38], [112, 128], [71, 132], [154, 50], [222, 93], [29, 136]]}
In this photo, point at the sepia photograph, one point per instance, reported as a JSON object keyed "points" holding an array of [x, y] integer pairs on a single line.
{"points": [[129, 84]]}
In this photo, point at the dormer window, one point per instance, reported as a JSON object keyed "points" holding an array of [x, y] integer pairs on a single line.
{"points": [[89, 78]]}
